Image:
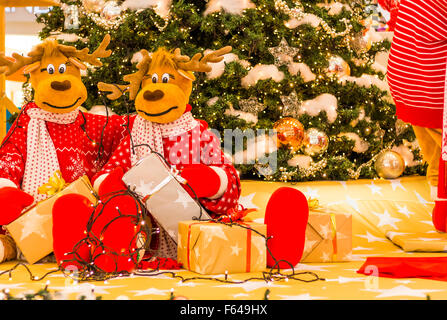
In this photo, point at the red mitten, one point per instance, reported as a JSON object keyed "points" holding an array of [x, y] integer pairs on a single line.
{"points": [[439, 215], [71, 213], [13, 201], [113, 182], [203, 180], [286, 218]]}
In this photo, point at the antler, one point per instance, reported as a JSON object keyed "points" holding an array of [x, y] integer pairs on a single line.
{"points": [[178, 58], [117, 90], [9, 67], [197, 63], [135, 79], [83, 55]]}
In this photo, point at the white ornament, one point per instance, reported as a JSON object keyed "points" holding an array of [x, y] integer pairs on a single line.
{"points": [[324, 102], [407, 155], [67, 37], [229, 6], [303, 69], [300, 161], [366, 80], [217, 69], [161, 7], [335, 8], [360, 145], [246, 116], [262, 72], [381, 62], [311, 19]]}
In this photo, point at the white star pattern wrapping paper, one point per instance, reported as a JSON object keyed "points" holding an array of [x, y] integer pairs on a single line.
{"points": [[407, 199]]}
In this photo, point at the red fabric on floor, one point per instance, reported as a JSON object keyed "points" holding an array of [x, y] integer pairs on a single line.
{"points": [[434, 268]]}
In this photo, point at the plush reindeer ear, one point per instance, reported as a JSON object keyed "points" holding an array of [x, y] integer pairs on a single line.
{"points": [[32, 67], [186, 74]]}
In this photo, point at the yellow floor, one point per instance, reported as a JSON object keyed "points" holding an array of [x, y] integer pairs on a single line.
{"points": [[378, 207]]}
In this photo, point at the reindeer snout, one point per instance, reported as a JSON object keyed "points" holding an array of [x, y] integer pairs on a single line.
{"points": [[153, 95], [61, 86]]}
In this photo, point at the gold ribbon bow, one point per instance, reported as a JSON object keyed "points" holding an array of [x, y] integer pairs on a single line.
{"points": [[313, 203], [55, 184]]}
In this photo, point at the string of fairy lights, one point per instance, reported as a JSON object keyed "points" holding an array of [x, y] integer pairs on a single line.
{"points": [[345, 38], [94, 240]]}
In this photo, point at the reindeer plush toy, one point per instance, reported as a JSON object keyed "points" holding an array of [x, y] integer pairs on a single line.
{"points": [[51, 134], [161, 88]]}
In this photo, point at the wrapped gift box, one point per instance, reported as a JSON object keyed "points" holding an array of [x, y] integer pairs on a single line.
{"points": [[214, 248], [33, 230], [328, 237], [166, 200], [421, 242]]}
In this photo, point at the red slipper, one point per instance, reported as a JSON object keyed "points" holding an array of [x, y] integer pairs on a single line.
{"points": [[71, 213], [286, 218]]}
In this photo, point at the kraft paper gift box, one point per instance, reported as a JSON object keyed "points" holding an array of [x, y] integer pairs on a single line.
{"points": [[165, 199], [214, 248], [328, 237], [421, 242], [33, 230]]}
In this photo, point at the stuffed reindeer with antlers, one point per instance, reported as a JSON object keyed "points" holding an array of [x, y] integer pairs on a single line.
{"points": [[51, 134], [164, 124], [161, 88]]}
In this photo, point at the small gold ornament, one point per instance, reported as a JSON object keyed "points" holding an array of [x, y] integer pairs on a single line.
{"points": [[389, 165], [290, 132], [338, 67], [315, 142]]}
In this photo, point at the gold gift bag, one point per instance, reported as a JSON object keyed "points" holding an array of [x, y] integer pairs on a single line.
{"points": [[33, 230], [214, 248]]}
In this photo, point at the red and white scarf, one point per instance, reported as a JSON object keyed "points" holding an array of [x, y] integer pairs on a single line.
{"points": [[42, 161], [152, 134]]}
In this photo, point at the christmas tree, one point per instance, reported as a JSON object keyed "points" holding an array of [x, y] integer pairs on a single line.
{"points": [[305, 68]]}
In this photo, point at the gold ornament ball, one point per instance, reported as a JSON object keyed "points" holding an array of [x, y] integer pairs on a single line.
{"points": [[290, 132], [368, 131], [93, 5], [362, 42], [389, 165], [338, 67], [315, 142]]}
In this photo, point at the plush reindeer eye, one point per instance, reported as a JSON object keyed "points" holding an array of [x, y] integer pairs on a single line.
{"points": [[155, 78], [62, 68], [165, 78], [50, 69]]}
